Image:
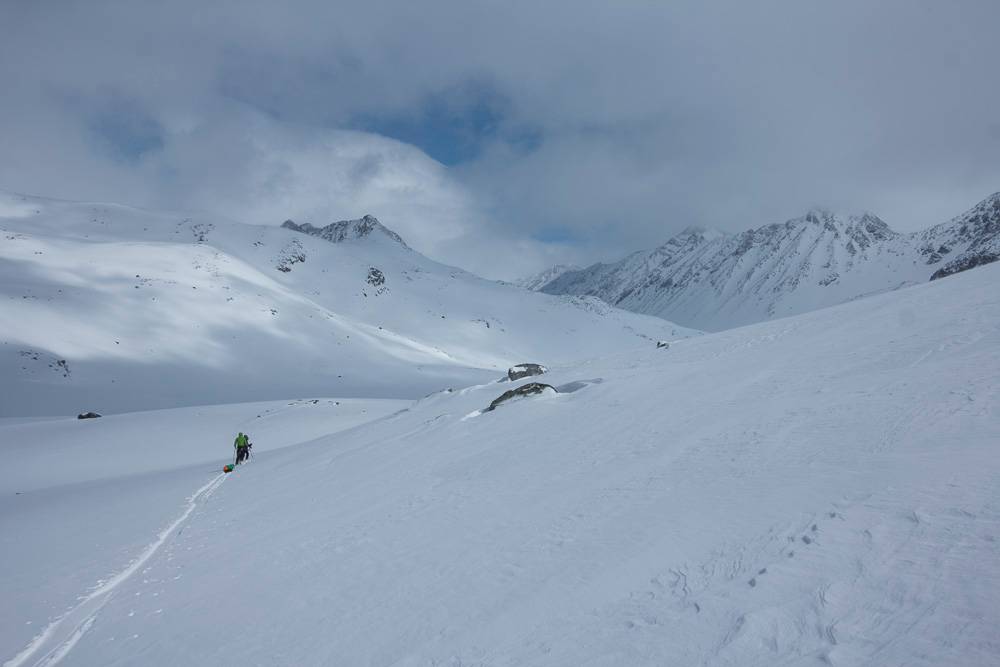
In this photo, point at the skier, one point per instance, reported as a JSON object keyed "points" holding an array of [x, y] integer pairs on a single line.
{"points": [[242, 445]]}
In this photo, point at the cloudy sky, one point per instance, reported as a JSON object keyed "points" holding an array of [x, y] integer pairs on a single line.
{"points": [[506, 136]]}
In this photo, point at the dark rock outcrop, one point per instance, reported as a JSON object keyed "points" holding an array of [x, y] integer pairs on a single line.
{"points": [[977, 231], [375, 277], [525, 370], [290, 255], [346, 230], [88, 415], [965, 263], [530, 389]]}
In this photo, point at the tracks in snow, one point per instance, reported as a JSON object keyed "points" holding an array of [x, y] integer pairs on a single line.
{"points": [[60, 636]]}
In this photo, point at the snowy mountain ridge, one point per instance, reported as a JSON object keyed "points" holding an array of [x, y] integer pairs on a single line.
{"points": [[110, 308], [346, 230], [713, 280], [975, 233]]}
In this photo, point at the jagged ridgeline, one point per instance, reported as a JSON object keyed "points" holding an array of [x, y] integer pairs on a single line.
{"points": [[712, 280], [345, 230]]}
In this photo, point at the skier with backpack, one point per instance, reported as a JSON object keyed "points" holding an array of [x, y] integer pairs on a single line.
{"points": [[242, 446]]}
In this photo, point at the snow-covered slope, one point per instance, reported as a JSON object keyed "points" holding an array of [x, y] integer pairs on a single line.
{"points": [[715, 281], [110, 308], [76, 496], [821, 489]]}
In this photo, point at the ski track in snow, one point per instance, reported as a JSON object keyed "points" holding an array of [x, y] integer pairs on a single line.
{"points": [[56, 641]]}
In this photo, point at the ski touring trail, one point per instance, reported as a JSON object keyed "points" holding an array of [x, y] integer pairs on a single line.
{"points": [[58, 638]]}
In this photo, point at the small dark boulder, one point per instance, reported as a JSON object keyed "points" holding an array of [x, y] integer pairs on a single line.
{"points": [[530, 389], [662, 344], [524, 370], [88, 415]]}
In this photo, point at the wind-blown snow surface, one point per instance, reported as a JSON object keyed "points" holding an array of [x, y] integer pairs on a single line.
{"points": [[110, 308], [817, 489]]}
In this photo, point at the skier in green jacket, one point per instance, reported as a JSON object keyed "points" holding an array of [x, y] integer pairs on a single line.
{"points": [[242, 445]]}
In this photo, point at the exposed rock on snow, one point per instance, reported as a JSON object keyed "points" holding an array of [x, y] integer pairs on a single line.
{"points": [[662, 344], [530, 389], [977, 231], [525, 370], [346, 230], [376, 279], [290, 255], [88, 415]]}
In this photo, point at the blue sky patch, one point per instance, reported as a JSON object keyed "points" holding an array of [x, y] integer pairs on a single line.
{"points": [[454, 126]]}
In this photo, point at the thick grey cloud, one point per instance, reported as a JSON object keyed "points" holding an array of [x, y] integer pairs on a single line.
{"points": [[568, 131]]}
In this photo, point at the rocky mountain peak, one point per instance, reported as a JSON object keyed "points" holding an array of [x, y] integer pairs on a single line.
{"points": [[699, 233], [346, 230], [692, 230], [817, 259], [815, 216], [869, 226], [689, 237]]}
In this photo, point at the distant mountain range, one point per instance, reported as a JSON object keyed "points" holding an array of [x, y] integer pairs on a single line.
{"points": [[711, 280]]}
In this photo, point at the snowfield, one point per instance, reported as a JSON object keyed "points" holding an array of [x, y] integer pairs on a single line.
{"points": [[820, 489], [89, 492]]}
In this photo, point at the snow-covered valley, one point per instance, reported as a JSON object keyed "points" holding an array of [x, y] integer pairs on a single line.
{"points": [[458, 334], [823, 488]]}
